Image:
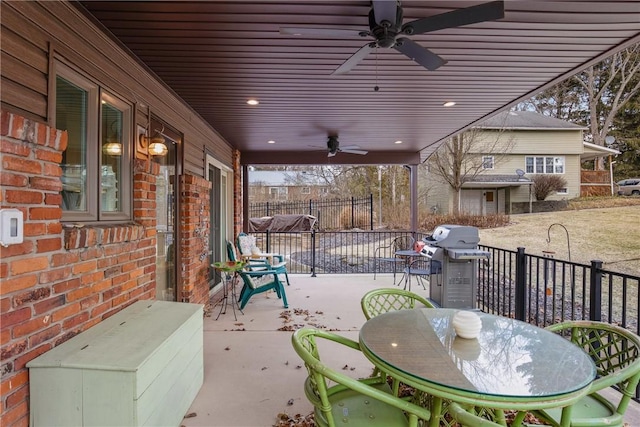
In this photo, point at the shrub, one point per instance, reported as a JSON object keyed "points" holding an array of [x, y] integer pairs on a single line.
{"points": [[360, 219], [545, 185]]}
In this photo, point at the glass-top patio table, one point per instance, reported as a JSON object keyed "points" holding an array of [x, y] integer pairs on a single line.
{"points": [[512, 365]]}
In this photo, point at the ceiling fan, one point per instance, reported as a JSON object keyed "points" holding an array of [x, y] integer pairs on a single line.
{"points": [[333, 145], [385, 26]]}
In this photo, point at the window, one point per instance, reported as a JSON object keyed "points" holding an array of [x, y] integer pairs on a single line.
{"points": [[305, 190], [96, 165], [278, 192], [544, 165], [563, 191], [487, 162]]}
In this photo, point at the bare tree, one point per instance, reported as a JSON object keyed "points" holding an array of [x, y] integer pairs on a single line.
{"points": [[609, 85], [461, 158]]}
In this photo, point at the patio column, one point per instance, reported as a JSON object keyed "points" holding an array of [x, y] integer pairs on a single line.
{"points": [[413, 187]]}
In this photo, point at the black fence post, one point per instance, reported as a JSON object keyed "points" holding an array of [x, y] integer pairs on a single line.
{"points": [[521, 291], [313, 253], [353, 213], [371, 210], [268, 209], [268, 249], [595, 291]]}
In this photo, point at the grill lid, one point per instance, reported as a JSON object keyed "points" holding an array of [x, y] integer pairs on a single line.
{"points": [[454, 237]]}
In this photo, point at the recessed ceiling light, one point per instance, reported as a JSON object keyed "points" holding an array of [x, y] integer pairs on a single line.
{"points": [[271, 141], [253, 102], [398, 142], [449, 104]]}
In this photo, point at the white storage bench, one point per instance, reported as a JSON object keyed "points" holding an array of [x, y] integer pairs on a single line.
{"points": [[142, 366]]}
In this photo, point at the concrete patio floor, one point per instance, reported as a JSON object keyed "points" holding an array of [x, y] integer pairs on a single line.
{"points": [[251, 372]]}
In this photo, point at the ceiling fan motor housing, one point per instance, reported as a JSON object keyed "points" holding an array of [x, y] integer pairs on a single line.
{"points": [[386, 32], [332, 144]]}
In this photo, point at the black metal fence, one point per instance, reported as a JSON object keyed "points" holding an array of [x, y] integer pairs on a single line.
{"points": [[512, 283], [332, 214]]}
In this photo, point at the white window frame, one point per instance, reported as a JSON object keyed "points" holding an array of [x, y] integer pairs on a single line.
{"points": [[488, 162], [93, 137], [544, 165]]}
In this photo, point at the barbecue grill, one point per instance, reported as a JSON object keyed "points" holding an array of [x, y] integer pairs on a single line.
{"points": [[453, 251]]}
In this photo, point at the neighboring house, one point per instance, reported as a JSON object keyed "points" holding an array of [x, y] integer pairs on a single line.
{"points": [[285, 185], [538, 145]]}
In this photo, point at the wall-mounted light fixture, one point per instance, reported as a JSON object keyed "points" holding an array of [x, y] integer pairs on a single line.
{"points": [[155, 145]]}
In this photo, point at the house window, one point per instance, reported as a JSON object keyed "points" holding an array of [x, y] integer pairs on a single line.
{"points": [[487, 162], [96, 165], [563, 191], [305, 190], [544, 165], [278, 192]]}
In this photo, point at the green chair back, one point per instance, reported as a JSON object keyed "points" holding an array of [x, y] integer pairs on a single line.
{"points": [[339, 399], [382, 300], [616, 354]]}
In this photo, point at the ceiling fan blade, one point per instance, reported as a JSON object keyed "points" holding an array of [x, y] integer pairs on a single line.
{"points": [[456, 18], [419, 54], [353, 151], [354, 59], [320, 32], [385, 10]]}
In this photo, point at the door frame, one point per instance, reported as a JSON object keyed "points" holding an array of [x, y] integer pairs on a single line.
{"points": [[226, 193]]}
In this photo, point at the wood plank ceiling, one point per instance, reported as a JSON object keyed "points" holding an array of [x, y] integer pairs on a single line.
{"points": [[218, 54]]}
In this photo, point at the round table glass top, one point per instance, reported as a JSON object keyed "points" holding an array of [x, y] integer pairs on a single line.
{"points": [[509, 358]]}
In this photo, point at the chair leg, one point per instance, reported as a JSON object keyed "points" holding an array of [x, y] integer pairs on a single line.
{"points": [[284, 296]]}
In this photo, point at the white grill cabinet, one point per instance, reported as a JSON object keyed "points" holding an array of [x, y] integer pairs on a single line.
{"points": [[454, 250], [143, 366]]}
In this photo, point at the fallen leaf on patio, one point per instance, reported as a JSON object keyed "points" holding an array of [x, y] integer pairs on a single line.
{"points": [[345, 368], [286, 363], [227, 348], [319, 312], [287, 328], [264, 368], [298, 366], [297, 420], [191, 415], [290, 402], [239, 324]]}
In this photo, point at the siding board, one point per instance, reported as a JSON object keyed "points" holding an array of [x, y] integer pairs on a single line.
{"points": [[18, 47], [24, 99], [19, 72], [32, 26]]}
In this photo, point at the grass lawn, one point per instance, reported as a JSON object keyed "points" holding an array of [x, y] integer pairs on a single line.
{"points": [[611, 235]]}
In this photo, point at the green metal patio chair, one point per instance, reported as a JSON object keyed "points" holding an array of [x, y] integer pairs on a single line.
{"points": [[616, 353], [382, 300], [354, 402], [466, 418], [247, 246]]}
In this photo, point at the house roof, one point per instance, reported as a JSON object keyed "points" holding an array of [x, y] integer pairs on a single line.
{"points": [[485, 180], [527, 120], [217, 54], [592, 151]]}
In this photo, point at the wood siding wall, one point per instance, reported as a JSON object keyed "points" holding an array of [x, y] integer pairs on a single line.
{"points": [[34, 33]]}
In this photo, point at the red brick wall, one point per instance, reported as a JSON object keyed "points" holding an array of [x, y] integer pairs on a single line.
{"points": [[237, 193], [194, 238], [62, 279]]}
